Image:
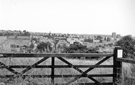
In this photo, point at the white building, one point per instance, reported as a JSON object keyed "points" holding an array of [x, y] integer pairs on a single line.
{"points": [[72, 40]]}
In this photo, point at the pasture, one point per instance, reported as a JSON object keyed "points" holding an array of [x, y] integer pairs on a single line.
{"points": [[6, 46], [46, 71], [127, 69]]}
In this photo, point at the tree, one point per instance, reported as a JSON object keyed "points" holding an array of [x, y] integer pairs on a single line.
{"points": [[26, 33], [108, 39], [44, 47], [49, 46], [35, 39], [76, 47], [41, 46], [61, 46], [128, 45], [88, 40], [92, 50], [99, 37]]}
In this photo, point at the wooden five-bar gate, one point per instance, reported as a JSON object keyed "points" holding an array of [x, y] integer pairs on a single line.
{"points": [[116, 57]]}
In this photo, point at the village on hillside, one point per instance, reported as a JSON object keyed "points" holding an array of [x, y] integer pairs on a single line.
{"points": [[28, 42]]}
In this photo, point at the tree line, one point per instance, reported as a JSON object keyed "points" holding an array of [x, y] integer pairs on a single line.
{"points": [[15, 33], [127, 43]]}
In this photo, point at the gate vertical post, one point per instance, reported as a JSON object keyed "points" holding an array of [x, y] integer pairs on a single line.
{"points": [[52, 70], [117, 65]]}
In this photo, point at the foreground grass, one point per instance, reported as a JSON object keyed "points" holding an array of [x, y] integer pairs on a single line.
{"points": [[128, 75], [58, 71], [128, 71]]}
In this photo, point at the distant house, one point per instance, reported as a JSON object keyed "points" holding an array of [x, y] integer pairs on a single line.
{"points": [[63, 42], [60, 38], [72, 40], [96, 41]]}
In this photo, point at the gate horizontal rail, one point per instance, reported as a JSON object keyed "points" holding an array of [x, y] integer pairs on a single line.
{"points": [[126, 60], [31, 55], [58, 76], [57, 66]]}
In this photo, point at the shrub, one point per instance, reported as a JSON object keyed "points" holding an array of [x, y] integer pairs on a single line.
{"points": [[128, 45]]}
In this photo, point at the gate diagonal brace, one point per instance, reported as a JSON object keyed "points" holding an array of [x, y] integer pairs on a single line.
{"points": [[97, 64], [9, 69], [79, 70], [28, 68], [85, 72], [89, 69]]}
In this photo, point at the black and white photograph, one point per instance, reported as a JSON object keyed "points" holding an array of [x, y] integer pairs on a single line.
{"points": [[67, 42]]}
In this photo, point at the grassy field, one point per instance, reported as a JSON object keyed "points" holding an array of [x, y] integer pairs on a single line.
{"points": [[5, 47], [128, 71], [128, 75], [60, 71]]}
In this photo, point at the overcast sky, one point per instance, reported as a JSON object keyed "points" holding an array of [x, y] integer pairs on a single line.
{"points": [[69, 16]]}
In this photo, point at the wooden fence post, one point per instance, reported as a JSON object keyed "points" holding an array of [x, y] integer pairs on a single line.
{"points": [[117, 65], [52, 70]]}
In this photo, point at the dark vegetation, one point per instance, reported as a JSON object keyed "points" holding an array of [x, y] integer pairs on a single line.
{"points": [[15, 33], [77, 47], [88, 40], [128, 45], [41, 47]]}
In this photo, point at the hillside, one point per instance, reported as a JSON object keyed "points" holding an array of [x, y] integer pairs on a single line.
{"points": [[3, 39], [9, 42]]}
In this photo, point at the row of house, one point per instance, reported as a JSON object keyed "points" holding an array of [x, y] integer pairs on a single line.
{"points": [[68, 37], [76, 38]]}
